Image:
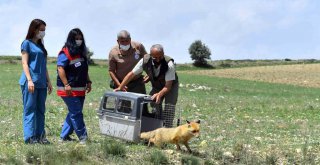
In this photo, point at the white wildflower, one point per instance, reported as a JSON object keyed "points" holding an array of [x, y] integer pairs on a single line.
{"points": [[258, 138], [228, 154], [200, 87], [203, 143], [298, 150], [219, 138], [194, 105]]}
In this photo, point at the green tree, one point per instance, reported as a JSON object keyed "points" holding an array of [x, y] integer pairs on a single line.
{"points": [[200, 53], [89, 55]]}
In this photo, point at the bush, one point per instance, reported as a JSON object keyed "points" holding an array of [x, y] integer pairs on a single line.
{"points": [[89, 55], [200, 53]]}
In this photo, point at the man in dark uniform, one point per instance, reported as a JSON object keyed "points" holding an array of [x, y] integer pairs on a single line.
{"points": [[122, 58]]}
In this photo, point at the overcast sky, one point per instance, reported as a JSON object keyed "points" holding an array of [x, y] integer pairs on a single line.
{"points": [[232, 29]]}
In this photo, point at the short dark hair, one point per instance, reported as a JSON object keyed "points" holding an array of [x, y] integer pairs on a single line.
{"points": [[123, 34]]}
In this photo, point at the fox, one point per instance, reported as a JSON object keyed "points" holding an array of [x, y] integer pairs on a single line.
{"points": [[179, 135]]}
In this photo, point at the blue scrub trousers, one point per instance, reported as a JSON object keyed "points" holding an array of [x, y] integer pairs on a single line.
{"points": [[33, 112], [74, 120]]}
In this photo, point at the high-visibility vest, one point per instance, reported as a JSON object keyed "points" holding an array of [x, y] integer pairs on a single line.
{"points": [[76, 73]]}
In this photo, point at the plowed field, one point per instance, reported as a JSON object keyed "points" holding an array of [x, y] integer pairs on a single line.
{"points": [[301, 74]]}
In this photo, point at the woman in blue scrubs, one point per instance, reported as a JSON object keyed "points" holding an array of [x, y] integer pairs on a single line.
{"points": [[35, 83]]}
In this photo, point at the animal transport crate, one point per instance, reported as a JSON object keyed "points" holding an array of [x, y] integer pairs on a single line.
{"points": [[125, 115]]}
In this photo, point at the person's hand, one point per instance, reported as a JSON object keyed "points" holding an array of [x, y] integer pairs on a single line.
{"points": [[146, 79], [67, 88], [30, 86], [89, 87], [156, 97], [119, 89], [125, 88], [49, 88], [116, 89]]}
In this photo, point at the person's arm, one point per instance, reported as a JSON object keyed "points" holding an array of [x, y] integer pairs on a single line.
{"points": [[114, 78], [125, 82], [63, 77], [48, 82], [89, 82], [157, 96], [138, 69], [25, 66], [112, 68]]}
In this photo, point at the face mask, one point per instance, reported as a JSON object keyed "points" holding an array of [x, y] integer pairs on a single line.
{"points": [[78, 42], [125, 47], [41, 34], [155, 62]]}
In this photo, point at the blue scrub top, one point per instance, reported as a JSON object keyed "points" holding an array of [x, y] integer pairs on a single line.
{"points": [[37, 64]]}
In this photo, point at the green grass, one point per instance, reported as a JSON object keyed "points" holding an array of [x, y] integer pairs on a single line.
{"points": [[158, 158], [242, 122]]}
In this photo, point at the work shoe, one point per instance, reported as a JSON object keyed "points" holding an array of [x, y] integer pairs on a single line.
{"points": [[83, 141], [66, 139], [32, 140], [44, 141]]}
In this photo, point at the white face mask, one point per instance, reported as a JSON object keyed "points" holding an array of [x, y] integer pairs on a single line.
{"points": [[125, 47], [41, 34], [78, 42]]}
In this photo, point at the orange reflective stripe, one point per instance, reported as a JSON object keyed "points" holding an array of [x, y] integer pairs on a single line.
{"points": [[73, 93], [66, 52], [74, 88]]}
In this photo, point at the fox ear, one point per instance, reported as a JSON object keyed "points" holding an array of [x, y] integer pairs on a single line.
{"points": [[188, 121], [198, 121]]}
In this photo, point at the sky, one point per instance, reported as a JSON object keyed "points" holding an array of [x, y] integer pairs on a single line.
{"points": [[231, 29]]}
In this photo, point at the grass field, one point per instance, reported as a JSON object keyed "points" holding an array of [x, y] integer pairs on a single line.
{"points": [[242, 121], [307, 75]]}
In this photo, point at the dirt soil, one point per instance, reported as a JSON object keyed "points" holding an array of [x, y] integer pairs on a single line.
{"points": [[307, 75]]}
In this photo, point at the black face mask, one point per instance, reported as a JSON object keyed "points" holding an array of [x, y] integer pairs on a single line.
{"points": [[155, 63]]}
